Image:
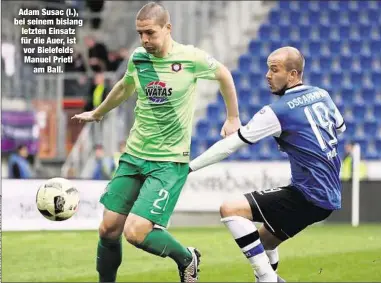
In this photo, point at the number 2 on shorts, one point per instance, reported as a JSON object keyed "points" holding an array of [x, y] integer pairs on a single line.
{"points": [[163, 197]]}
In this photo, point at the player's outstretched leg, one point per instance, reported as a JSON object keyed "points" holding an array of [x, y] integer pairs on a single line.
{"points": [[235, 215], [141, 233], [109, 252]]}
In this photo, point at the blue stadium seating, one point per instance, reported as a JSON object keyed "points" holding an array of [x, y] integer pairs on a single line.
{"points": [[341, 41]]}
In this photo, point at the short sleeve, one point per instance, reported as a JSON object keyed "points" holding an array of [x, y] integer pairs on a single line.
{"points": [[265, 123], [205, 65], [129, 75]]}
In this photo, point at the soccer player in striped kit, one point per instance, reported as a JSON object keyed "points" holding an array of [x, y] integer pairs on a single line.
{"points": [[305, 123]]}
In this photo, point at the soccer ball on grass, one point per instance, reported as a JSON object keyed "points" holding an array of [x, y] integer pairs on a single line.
{"points": [[57, 199]]}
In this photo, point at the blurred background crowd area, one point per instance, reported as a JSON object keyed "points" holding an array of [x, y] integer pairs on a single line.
{"points": [[341, 41]]}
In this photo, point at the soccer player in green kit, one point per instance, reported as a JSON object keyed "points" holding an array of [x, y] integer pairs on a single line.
{"points": [[142, 195]]}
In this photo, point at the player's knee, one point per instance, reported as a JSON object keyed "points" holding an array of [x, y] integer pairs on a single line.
{"points": [[135, 233], [228, 208], [236, 207], [109, 231]]}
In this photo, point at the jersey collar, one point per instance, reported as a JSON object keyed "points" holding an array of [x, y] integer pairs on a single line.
{"points": [[297, 87]]}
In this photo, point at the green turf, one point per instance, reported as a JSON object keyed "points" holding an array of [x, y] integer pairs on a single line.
{"points": [[321, 253]]}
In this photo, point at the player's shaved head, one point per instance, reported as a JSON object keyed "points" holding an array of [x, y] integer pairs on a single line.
{"points": [[286, 67], [292, 58], [154, 11]]}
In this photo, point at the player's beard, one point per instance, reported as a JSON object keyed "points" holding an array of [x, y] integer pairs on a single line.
{"points": [[282, 91]]}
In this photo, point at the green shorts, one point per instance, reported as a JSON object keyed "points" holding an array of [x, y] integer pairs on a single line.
{"points": [[146, 188]]}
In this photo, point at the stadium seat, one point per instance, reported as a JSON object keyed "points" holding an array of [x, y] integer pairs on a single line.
{"points": [[368, 95], [316, 78], [256, 79], [264, 32], [244, 62], [374, 16], [314, 18], [336, 79], [377, 111], [295, 17], [344, 18], [296, 44], [265, 97], [304, 5], [305, 32], [254, 47], [324, 32], [376, 78], [314, 47], [215, 112], [325, 62], [378, 144], [359, 111], [284, 5], [370, 128], [346, 63], [341, 43], [274, 16], [351, 129], [203, 128], [353, 16], [355, 46], [323, 5], [275, 44], [335, 47], [366, 62], [244, 95], [356, 79], [375, 46], [333, 18], [285, 31], [345, 31], [364, 31], [371, 152]]}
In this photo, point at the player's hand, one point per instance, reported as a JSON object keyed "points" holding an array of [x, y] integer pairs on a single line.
{"points": [[230, 126], [88, 116]]}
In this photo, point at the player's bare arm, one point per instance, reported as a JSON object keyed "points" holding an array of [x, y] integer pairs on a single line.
{"points": [[119, 93], [229, 94]]}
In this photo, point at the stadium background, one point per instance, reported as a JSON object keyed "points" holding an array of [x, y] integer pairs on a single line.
{"points": [[341, 41]]}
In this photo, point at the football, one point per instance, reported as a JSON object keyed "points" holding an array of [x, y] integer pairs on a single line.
{"points": [[57, 199]]}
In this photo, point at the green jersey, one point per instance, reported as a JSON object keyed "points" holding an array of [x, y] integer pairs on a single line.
{"points": [[166, 101]]}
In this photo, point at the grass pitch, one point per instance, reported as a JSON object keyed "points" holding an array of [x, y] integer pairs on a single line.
{"points": [[326, 253]]}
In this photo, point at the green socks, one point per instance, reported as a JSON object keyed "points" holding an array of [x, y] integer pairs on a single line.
{"points": [[159, 242], [109, 257]]}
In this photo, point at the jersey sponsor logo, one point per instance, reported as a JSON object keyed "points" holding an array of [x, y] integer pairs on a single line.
{"points": [[176, 67], [158, 92]]}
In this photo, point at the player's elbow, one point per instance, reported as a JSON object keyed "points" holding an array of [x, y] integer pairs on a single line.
{"points": [[342, 129]]}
